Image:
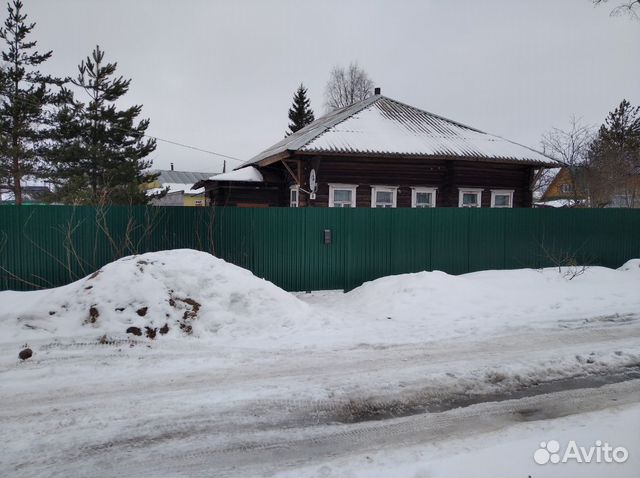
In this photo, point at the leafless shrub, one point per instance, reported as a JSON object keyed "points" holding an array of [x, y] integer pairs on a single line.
{"points": [[347, 86], [566, 261], [570, 148], [627, 7]]}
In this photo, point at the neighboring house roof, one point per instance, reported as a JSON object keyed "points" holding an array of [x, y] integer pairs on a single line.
{"points": [[544, 179], [178, 181], [180, 177], [248, 174], [559, 203], [32, 190], [381, 125], [562, 179]]}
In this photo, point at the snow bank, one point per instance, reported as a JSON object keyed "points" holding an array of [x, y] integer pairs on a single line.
{"points": [[436, 304], [184, 292], [632, 265], [178, 292]]}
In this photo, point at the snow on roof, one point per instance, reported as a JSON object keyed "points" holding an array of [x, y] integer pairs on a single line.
{"points": [[32, 189], [248, 174], [559, 203], [381, 125], [179, 181], [169, 176], [177, 187]]}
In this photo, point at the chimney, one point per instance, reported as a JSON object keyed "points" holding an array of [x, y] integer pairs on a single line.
{"points": [[171, 166], [377, 91]]}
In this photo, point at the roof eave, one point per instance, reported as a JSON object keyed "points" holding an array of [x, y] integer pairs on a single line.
{"points": [[274, 158], [365, 155]]}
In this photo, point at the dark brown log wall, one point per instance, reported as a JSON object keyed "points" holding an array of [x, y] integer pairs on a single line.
{"points": [[445, 175], [247, 195]]}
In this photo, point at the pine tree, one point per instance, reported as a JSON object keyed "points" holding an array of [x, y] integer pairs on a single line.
{"points": [[300, 113], [101, 150], [24, 95], [614, 156]]}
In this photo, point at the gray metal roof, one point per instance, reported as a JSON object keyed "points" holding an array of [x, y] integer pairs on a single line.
{"points": [[180, 177], [381, 125]]}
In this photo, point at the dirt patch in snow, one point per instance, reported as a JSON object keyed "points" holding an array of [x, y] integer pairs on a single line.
{"points": [[190, 314], [431, 401], [25, 353], [93, 315], [134, 331]]}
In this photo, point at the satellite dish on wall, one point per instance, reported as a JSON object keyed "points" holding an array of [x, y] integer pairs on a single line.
{"points": [[312, 181]]}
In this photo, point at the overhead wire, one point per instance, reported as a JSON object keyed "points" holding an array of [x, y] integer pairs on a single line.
{"points": [[157, 138]]}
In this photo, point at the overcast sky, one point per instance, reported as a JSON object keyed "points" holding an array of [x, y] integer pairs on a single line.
{"points": [[220, 75]]}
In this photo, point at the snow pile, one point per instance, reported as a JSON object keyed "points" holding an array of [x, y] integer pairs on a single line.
{"points": [[436, 304], [184, 292], [178, 292], [632, 265]]}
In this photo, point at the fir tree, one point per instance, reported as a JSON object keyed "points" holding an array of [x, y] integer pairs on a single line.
{"points": [[101, 150], [300, 113], [24, 95], [614, 156]]}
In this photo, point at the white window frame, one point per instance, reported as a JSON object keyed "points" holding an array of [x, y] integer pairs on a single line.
{"points": [[348, 187], [416, 190], [501, 192], [295, 203], [566, 188], [387, 189], [463, 191]]}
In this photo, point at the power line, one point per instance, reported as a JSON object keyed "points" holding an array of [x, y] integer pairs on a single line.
{"points": [[192, 147], [157, 138]]}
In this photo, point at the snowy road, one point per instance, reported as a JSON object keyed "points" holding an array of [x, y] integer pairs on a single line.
{"points": [[421, 374], [130, 409]]}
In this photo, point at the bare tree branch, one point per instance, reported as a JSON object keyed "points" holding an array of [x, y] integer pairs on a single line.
{"points": [[628, 7], [347, 86], [570, 148]]}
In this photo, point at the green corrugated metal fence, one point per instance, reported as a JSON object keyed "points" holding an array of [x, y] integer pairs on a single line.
{"points": [[54, 245]]}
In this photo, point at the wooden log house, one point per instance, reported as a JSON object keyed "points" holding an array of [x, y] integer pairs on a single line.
{"points": [[380, 152]]}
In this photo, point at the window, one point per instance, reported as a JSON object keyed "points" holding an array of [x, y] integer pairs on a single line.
{"points": [[383, 196], [470, 198], [423, 197], [342, 195], [501, 198], [294, 193], [566, 188]]}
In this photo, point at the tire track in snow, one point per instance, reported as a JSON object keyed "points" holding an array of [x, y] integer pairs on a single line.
{"points": [[272, 450], [266, 366], [251, 426]]}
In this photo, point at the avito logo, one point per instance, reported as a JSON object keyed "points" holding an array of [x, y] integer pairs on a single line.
{"points": [[550, 452]]}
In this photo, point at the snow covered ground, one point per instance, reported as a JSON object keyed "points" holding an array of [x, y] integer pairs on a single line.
{"points": [[223, 373]]}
